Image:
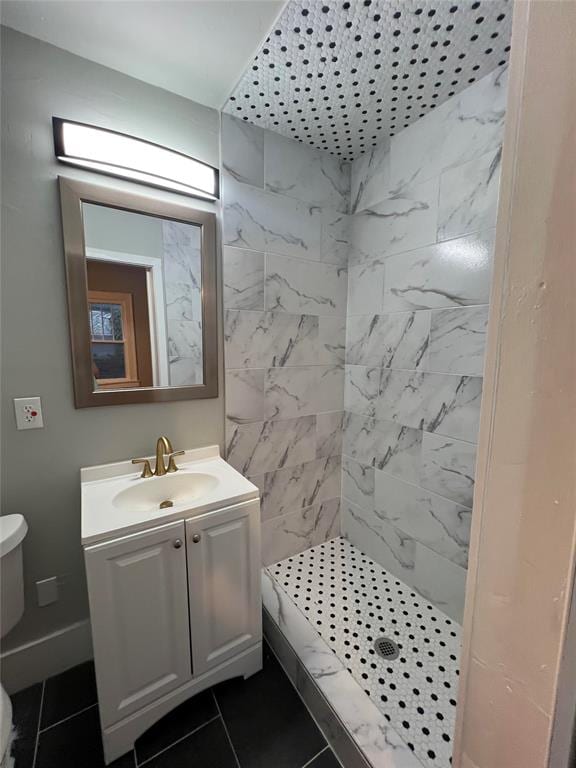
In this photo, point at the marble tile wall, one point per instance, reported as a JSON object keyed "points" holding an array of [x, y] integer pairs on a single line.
{"points": [[286, 243], [183, 292], [421, 243]]}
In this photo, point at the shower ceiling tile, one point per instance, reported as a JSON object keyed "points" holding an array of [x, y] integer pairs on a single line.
{"points": [[345, 76]]}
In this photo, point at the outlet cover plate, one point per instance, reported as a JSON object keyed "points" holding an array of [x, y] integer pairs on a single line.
{"points": [[28, 413]]}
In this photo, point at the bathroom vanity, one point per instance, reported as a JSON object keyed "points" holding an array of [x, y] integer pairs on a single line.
{"points": [[173, 569]]}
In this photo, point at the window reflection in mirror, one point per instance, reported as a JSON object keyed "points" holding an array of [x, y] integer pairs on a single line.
{"points": [[144, 283]]}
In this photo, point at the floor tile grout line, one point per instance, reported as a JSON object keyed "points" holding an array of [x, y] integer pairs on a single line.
{"points": [[304, 702], [69, 717], [306, 765], [173, 744], [39, 721], [232, 747]]}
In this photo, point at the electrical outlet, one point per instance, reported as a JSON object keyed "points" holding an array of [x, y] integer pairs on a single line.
{"points": [[28, 413]]}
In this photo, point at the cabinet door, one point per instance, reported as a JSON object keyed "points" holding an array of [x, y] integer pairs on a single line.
{"points": [[224, 583], [139, 611]]}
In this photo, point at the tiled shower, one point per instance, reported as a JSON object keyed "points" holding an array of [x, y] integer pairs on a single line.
{"points": [[356, 306], [424, 212]]}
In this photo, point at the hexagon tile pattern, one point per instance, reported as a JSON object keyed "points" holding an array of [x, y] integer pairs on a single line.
{"points": [[346, 75], [351, 601]]}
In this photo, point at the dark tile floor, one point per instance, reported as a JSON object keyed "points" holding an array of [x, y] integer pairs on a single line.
{"points": [[255, 723]]}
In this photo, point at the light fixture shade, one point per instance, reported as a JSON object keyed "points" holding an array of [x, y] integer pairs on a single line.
{"points": [[126, 157]]}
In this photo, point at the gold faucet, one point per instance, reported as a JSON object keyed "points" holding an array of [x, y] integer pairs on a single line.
{"points": [[163, 448]]}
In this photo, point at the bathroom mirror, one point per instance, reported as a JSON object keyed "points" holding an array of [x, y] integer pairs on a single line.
{"points": [[141, 279]]}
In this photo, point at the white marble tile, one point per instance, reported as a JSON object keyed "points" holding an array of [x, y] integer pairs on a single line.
{"points": [[294, 488], [441, 581], [398, 340], [398, 450], [415, 152], [358, 483], [378, 741], [370, 178], [335, 237], [457, 340], [476, 120], [243, 150], [292, 533], [264, 221], [331, 340], [469, 196], [290, 392], [308, 174], [329, 433], [305, 287], [361, 388], [303, 390], [455, 273], [426, 517], [366, 287], [264, 446], [383, 444], [442, 403], [185, 361], [378, 539], [245, 334], [268, 339], [405, 220], [359, 440], [243, 278], [245, 395], [185, 372], [462, 128], [182, 271], [448, 467], [181, 241]]}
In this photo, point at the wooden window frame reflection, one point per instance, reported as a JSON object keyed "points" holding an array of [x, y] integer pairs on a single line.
{"points": [[73, 194], [128, 337]]}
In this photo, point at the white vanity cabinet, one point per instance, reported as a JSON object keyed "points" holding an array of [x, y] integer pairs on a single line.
{"points": [[139, 611], [224, 585], [174, 609]]}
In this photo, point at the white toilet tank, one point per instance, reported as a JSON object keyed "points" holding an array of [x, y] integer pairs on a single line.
{"points": [[13, 528]]}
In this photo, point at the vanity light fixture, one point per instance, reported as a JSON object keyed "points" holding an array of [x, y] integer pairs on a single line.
{"points": [[126, 157]]}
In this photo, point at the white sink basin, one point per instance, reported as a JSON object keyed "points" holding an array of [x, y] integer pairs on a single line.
{"points": [[116, 501], [179, 488]]}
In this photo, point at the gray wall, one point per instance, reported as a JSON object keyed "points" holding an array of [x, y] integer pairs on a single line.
{"points": [[41, 468], [109, 228]]}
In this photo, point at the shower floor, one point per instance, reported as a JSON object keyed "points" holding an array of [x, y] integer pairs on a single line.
{"points": [[351, 601]]}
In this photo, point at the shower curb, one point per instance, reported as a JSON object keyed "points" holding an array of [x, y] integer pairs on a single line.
{"points": [[355, 728]]}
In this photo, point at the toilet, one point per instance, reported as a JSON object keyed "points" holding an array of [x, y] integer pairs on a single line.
{"points": [[13, 529]]}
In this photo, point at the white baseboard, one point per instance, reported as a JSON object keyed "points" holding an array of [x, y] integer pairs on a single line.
{"points": [[46, 656]]}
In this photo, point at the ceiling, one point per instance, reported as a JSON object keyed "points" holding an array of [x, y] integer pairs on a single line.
{"points": [[195, 48], [343, 76]]}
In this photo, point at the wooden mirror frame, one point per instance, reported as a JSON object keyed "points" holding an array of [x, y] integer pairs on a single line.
{"points": [[73, 194]]}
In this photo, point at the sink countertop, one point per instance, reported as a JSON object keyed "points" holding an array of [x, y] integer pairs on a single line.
{"points": [[102, 520]]}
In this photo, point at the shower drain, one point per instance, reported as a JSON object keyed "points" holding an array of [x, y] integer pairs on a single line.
{"points": [[386, 648]]}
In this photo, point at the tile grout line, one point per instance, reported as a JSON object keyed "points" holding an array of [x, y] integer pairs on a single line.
{"points": [[182, 738], [232, 747], [309, 763], [65, 719], [39, 721]]}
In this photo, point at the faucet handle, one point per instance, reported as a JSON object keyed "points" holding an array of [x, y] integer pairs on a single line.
{"points": [[147, 470], [171, 463]]}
